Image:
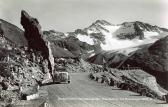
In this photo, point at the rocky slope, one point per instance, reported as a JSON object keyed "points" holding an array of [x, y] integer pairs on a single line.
{"points": [[23, 69], [19, 74], [133, 80], [12, 33], [111, 59], [114, 58], [152, 59]]}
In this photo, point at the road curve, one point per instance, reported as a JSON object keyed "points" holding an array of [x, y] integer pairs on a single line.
{"points": [[83, 92]]}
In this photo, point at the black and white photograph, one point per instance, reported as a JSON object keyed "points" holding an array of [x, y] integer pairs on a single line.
{"points": [[83, 53]]}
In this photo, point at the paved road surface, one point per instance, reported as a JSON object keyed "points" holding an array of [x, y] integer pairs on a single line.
{"points": [[83, 92]]}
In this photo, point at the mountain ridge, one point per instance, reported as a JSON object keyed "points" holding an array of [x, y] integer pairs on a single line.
{"points": [[17, 34], [106, 34]]}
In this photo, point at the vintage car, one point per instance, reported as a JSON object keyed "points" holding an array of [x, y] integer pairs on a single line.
{"points": [[62, 77]]}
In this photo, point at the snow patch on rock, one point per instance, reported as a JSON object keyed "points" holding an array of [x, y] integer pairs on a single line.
{"points": [[111, 42], [85, 38]]}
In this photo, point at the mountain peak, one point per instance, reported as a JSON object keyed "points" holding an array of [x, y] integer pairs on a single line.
{"points": [[24, 13], [145, 26], [101, 22]]}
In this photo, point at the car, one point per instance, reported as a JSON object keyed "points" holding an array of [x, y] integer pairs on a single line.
{"points": [[61, 77]]}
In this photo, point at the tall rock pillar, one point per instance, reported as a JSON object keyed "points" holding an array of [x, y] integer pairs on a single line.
{"points": [[36, 42]]}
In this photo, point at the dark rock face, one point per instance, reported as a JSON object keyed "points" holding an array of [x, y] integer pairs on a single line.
{"points": [[138, 31], [1, 30], [130, 30], [33, 33], [153, 60], [34, 36]]}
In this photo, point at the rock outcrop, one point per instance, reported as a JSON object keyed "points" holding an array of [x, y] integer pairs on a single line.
{"points": [[36, 42], [1, 30]]}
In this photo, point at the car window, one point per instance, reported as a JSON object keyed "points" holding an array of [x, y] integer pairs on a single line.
{"points": [[63, 74]]}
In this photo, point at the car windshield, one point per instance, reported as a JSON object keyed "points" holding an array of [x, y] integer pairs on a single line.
{"points": [[63, 74]]}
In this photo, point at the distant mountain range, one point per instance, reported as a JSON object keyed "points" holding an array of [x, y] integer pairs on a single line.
{"points": [[100, 33], [102, 36], [127, 34]]}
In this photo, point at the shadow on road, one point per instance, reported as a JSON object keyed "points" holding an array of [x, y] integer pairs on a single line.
{"points": [[162, 103], [116, 89], [51, 83], [135, 95]]}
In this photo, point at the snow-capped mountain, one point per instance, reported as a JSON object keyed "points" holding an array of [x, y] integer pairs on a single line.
{"points": [[104, 36], [111, 37]]}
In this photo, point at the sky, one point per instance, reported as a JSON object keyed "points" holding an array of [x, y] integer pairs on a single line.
{"points": [[68, 15]]}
